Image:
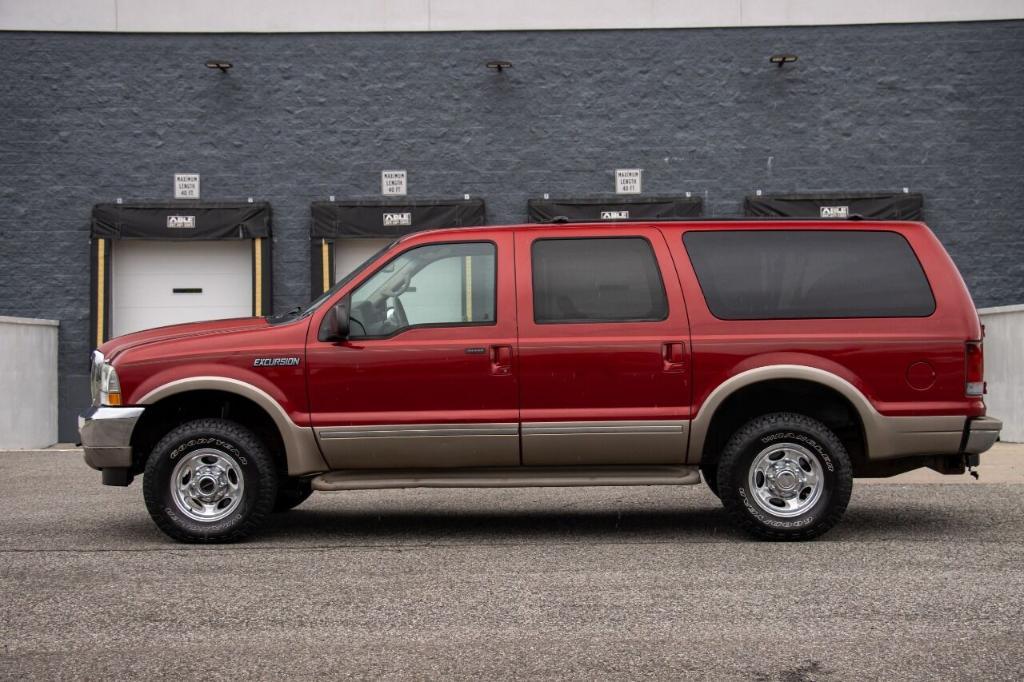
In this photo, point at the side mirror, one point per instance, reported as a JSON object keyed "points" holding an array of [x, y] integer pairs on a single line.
{"points": [[335, 326]]}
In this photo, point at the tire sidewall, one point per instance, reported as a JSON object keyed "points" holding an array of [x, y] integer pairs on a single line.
{"points": [[180, 443], [824, 446]]}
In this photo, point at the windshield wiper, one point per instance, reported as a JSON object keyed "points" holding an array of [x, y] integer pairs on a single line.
{"points": [[291, 313]]}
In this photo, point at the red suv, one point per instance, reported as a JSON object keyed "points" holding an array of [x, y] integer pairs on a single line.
{"points": [[780, 359]]}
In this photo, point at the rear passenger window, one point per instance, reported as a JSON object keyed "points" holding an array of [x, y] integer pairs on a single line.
{"points": [[596, 280], [793, 274]]}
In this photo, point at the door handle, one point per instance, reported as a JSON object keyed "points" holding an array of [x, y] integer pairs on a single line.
{"points": [[673, 354], [501, 360]]}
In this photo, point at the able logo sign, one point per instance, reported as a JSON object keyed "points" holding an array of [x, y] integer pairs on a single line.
{"points": [[187, 222], [398, 219], [835, 211], [614, 215]]}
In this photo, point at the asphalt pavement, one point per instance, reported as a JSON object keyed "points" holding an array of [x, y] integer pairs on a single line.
{"points": [[924, 579]]}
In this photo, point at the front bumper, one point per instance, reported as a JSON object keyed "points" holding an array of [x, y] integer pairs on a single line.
{"points": [[980, 434], [106, 434]]}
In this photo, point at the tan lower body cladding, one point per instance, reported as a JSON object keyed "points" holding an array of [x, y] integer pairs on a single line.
{"points": [[425, 446]]}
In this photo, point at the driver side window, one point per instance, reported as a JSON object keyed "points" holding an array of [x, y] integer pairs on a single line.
{"points": [[438, 284]]}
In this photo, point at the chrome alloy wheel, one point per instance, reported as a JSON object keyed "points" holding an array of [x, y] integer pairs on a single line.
{"points": [[786, 480], [207, 485]]}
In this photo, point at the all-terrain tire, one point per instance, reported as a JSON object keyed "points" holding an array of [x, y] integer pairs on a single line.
{"points": [[801, 447], [211, 456]]}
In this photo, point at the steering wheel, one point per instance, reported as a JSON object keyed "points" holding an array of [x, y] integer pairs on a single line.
{"points": [[394, 314], [400, 316]]}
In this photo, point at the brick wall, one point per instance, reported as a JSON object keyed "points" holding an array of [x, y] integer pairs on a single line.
{"points": [[91, 117]]}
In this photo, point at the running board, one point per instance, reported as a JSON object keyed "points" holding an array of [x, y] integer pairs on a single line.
{"points": [[506, 477]]}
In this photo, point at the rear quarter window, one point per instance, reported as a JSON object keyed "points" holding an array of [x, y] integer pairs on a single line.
{"points": [[798, 274]]}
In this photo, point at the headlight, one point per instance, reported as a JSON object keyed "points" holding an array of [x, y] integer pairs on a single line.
{"points": [[95, 375], [103, 382], [110, 387]]}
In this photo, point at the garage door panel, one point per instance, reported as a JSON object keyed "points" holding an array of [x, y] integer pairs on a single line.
{"points": [[146, 273], [149, 318], [159, 289], [188, 256], [350, 253]]}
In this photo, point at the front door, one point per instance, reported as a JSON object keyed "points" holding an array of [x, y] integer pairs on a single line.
{"points": [[427, 378], [604, 363]]}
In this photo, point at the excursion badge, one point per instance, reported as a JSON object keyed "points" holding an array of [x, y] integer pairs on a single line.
{"points": [[275, 362]]}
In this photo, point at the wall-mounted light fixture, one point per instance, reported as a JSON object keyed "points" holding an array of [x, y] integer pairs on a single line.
{"points": [[219, 64], [499, 65], [780, 59]]}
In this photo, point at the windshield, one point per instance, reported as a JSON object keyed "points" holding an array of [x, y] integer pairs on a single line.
{"points": [[343, 281]]}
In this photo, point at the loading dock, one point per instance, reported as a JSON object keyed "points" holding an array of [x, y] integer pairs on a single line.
{"points": [[155, 264], [838, 205], [345, 233], [575, 210]]}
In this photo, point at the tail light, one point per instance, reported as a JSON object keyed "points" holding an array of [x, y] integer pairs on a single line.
{"points": [[975, 369]]}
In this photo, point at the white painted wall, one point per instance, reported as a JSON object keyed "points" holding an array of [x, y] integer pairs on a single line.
{"points": [[300, 16], [1004, 367], [28, 383]]}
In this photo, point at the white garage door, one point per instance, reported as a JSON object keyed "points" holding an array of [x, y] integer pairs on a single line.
{"points": [[350, 253], [157, 283]]}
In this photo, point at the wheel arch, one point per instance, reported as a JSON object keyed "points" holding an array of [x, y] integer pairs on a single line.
{"points": [[198, 395], [826, 396]]}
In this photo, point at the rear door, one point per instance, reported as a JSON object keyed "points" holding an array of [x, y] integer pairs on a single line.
{"points": [[603, 348]]}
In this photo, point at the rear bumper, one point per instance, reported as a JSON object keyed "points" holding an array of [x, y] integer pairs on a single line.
{"points": [[901, 437], [106, 434], [980, 433]]}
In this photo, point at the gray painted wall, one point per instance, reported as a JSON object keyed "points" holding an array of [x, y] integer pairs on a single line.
{"points": [[90, 117]]}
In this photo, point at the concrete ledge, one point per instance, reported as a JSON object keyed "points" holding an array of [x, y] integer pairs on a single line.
{"points": [[29, 321], [298, 16], [1004, 367], [1000, 309], [28, 382]]}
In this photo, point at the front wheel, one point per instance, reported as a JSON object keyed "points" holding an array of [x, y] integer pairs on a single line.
{"points": [[785, 476], [209, 480]]}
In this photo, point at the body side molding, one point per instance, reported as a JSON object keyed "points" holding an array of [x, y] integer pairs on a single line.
{"points": [[417, 430]]}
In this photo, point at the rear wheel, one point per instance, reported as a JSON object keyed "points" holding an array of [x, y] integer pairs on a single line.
{"points": [[785, 476], [209, 480]]}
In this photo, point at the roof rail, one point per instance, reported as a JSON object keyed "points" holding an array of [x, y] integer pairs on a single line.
{"points": [[561, 219]]}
